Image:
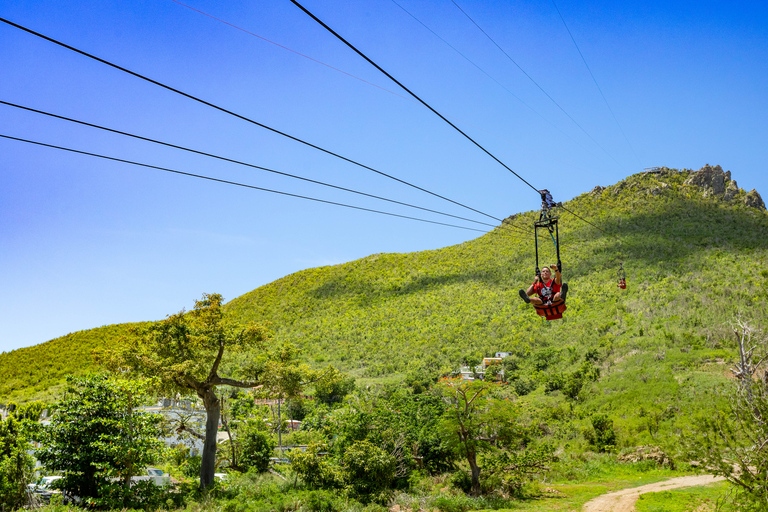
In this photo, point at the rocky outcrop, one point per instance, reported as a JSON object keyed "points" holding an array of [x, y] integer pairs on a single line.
{"points": [[711, 179], [653, 453], [718, 184], [754, 200]]}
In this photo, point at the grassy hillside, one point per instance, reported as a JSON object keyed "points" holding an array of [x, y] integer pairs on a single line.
{"points": [[38, 372], [688, 259], [693, 262]]}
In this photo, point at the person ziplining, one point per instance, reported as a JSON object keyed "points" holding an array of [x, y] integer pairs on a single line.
{"points": [[551, 292]]}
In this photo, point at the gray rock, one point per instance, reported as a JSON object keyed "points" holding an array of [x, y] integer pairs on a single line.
{"points": [[753, 200], [731, 190], [597, 190], [711, 179]]}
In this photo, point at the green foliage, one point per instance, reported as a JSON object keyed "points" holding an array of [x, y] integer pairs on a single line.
{"points": [[602, 435], [334, 387], [39, 372], [477, 423], [731, 440], [316, 471], [368, 471], [515, 468], [256, 447], [98, 441], [29, 411], [16, 464], [180, 351]]}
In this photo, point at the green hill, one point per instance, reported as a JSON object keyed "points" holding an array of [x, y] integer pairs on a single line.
{"points": [[695, 255], [38, 372]]}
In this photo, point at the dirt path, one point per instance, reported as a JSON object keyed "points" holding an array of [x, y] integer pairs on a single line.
{"points": [[624, 500]]}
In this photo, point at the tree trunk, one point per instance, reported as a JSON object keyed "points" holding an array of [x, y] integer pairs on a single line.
{"points": [[472, 459], [213, 412]]}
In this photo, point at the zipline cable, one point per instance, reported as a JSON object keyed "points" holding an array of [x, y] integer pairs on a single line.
{"points": [[234, 114], [227, 182], [407, 98], [595, 80], [482, 71], [350, 45], [175, 146], [534, 81], [289, 49], [585, 220]]}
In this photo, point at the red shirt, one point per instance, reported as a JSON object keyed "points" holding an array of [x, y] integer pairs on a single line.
{"points": [[546, 290]]}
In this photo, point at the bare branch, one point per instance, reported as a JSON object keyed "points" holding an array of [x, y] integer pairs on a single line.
{"points": [[184, 428]]}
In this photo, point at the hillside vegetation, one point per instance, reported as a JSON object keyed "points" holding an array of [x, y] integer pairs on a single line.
{"points": [[694, 257]]}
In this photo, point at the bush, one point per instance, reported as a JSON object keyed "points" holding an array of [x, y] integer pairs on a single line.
{"points": [[602, 436], [320, 501], [369, 471], [462, 481], [257, 447]]}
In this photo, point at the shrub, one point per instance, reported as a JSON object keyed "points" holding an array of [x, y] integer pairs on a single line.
{"points": [[602, 436], [257, 447], [369, 471]]}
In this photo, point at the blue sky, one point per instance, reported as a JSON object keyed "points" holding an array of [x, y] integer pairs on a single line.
{"points": [[86, 242]]}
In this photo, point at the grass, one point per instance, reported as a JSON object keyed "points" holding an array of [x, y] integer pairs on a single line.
{"points": [[691, 499]]}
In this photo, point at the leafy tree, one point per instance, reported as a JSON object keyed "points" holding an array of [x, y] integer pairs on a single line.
{"points": [[99, 441], [184, 352], [476, 422], [16, 464]]}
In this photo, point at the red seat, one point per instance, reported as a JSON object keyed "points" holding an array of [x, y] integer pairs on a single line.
{"points": [[552, 311]]}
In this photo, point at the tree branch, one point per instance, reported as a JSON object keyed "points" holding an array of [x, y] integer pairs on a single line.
{"points": [[235, 383], [183, 428], [215, 368]]}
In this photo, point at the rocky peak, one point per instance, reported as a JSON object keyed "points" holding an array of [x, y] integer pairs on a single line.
{"points": [[719, 184]]}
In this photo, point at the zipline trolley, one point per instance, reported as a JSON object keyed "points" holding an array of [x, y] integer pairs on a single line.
{"points": [[548, 220]]}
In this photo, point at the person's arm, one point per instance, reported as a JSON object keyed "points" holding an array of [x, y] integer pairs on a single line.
{"points": [[558, 275]]}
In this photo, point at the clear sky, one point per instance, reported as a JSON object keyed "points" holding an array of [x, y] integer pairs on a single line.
{"points": [[86, 242]]}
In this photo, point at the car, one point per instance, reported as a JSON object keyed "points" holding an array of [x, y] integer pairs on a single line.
{"points": [[42, 488], [157, 476]]}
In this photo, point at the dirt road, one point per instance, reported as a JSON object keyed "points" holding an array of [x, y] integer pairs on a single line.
{"points": [[624, 500]]}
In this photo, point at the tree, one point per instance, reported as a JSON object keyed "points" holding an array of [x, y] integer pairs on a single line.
{"points": [[476, 422], [334, 387], [16, 464], [100, 441], [732, 440], [184, 352]]}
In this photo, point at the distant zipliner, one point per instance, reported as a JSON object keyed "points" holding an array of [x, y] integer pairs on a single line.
{"points": [[551, 292], [622, 277]]}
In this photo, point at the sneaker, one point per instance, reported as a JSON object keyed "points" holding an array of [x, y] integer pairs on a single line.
{"points": [[524, 296], [564, 291]]}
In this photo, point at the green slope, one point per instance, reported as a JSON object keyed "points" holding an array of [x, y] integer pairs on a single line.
{"points": [[688, 259], [38, 372], [692, 263]]}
